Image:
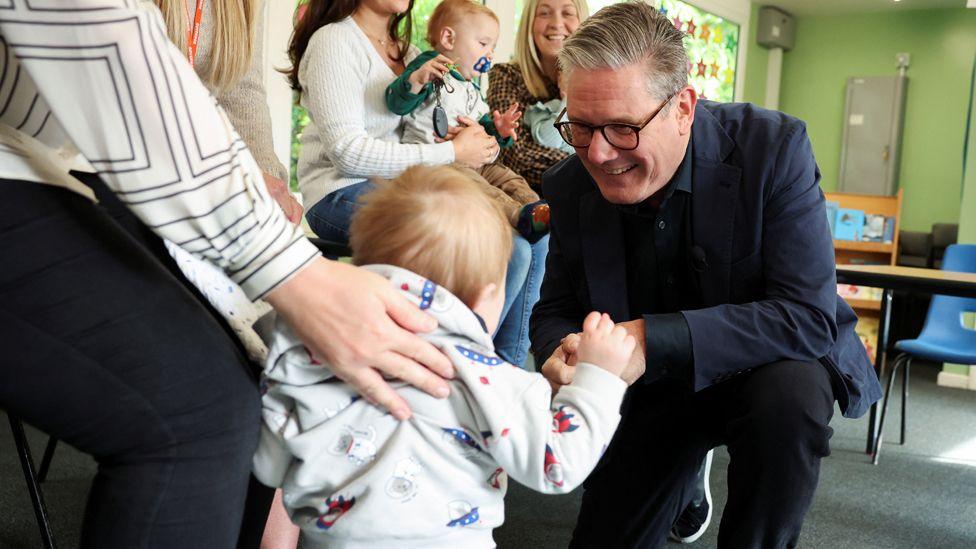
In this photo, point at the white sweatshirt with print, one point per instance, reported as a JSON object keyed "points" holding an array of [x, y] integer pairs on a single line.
{"points": [[353, 476]]}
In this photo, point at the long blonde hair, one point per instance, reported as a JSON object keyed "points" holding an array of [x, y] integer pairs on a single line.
{"points": [[526, 52], [232, 39]]}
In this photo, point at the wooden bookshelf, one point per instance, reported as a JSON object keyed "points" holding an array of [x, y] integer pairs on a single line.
{"points": [[854, 252]]}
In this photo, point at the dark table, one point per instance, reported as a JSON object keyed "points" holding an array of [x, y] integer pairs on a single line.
{"points": [[910, 279]]}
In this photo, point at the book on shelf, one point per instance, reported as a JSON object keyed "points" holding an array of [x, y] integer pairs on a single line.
{"points": [[849, 224], [873, 228], [855, 225]]}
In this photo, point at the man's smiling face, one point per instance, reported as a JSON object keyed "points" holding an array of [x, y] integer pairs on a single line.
{"points": [[620, 95]]}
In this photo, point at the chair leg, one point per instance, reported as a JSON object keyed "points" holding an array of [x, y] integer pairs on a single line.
{"points": [[904, 398], [52, 443], [33, 488], [884, 407]]}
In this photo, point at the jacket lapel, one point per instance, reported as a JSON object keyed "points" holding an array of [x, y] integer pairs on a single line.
{"points": [[715, 188], [604, 260]]}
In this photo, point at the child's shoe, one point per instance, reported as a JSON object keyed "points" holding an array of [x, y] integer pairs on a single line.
{"points": [[533, 221]]}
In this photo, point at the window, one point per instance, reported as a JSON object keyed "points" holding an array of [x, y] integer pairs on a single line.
{"points": [[712, 43]]}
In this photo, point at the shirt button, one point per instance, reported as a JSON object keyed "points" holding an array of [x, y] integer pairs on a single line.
{"points": [[660, 224]]}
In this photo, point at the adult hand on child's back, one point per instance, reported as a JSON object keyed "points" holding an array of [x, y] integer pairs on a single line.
{"points": [[604, 344], [364, 329], [473, 147]]}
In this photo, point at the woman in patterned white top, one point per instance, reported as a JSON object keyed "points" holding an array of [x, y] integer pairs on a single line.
{"points": [[107, 349]]}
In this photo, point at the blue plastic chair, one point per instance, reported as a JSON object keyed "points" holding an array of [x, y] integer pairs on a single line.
{"points": [[943, 337]]}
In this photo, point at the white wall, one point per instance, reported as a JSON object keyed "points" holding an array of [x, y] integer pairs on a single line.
{"points": [[278, 25]]}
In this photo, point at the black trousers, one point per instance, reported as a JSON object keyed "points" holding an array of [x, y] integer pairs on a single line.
{"points": [[107, 348], [774, 420]]}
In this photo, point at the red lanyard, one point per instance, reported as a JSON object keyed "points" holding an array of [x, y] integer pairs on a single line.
{"points": [[194, 34]]}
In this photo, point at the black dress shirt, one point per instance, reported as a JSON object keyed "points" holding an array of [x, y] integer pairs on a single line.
{"points": [[660, 278]]}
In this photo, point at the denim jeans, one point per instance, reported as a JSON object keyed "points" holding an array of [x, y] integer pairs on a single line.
{"points": [[329, 218], [522, 283]]}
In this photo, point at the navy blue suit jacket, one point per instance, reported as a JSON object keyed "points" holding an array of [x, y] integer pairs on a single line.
{"points": [[768, 286]]}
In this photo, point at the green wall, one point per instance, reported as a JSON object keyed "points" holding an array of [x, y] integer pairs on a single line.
{"points": [[757, 60], [967, 214], [829, 49]]}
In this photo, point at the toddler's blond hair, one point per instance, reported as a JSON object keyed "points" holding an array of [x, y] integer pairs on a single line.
{"points": [[436, 222], [451, 12]]}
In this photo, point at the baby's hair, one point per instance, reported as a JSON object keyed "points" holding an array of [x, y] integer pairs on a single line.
{"points": [[449, 12], [436, 222]]}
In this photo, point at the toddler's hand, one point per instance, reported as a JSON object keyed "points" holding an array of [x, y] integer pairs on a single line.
{"points": [[435, 69], [506, 123], [604, 344]]}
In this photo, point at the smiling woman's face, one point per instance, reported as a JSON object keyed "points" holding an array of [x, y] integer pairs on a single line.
{"points": [[555, 20]]}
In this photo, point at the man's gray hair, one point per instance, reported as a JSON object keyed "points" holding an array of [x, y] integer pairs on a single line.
{"points": [[623, 34]]}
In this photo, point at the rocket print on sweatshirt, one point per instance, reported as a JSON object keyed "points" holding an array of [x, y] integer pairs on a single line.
{"points": [[562, 420], [553, 469], [334, 509]]}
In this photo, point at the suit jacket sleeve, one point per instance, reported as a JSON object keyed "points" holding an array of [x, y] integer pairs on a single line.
{"points": [[796, 318], [558, 311]]}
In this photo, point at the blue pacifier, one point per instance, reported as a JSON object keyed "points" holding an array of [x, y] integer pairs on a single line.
{"points": [[482, 65]]}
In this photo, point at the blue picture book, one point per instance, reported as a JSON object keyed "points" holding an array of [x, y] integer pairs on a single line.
{"points": [[849, 224]]}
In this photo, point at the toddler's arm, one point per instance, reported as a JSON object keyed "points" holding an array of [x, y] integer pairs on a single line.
{"points": [[553, 447], [409, 90]]}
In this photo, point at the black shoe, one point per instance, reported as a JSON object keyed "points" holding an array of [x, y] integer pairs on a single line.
{"points": [[693, 521]]}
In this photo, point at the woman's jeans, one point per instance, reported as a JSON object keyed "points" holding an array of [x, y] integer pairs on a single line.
{"points": [[109, 351], [329, 218], [522, 283]]}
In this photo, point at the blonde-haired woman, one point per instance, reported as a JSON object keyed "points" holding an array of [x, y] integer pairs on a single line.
{"points": [[227, 56], [533, 76]]}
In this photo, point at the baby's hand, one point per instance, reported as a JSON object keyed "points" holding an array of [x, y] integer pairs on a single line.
{"points": [[604, 344], [506, 123], [435, 69]]}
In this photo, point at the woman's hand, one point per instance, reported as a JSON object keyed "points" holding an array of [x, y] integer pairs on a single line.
{"points": [[473, 147], [278, 190], [434, 69], [364, 329]]}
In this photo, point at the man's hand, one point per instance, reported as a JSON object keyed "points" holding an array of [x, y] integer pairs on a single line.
{"points": [[278, 190], [359, 323], [508, 122], [560, 368], [635, 368], [434, 69]]}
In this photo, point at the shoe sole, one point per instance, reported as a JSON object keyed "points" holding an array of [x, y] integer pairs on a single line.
{"points": [[708, 499]]}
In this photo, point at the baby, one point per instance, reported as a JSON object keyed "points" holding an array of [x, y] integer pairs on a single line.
{"points": [[441, 83], [354, 476]]}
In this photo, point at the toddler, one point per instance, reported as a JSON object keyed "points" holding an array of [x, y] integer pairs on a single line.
{"points": [[352, 475], [463, 34]]}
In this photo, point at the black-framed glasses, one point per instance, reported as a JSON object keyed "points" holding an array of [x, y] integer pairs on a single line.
{"points": [[625, 137]]}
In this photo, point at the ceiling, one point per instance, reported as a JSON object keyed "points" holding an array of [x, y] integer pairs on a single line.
{"points": [[836, 7]]}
